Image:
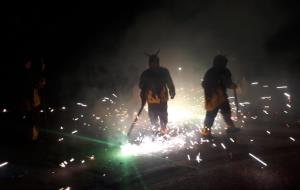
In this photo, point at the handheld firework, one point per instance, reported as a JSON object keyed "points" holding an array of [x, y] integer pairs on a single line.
{"points": [[236, 102], [143, 98]]}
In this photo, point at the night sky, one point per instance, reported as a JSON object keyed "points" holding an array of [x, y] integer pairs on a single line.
{"points": [[101, 46]]}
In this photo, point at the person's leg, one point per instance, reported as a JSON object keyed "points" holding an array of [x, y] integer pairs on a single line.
{"points": [[210, 118], [163, 117], [209, 121], [153, 116], [226, 112]]}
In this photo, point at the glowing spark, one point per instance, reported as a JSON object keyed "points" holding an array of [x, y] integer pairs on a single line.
{"points": [[63, 108], [292, 139], [251, 140], [75, 131], [61, 127], [265, 86], [254, 117], [104, 175], [3, 164], [52, 110], [62, 165], [224, 147], [244, 103], [198, 159], [82, 161], [259, 160], [265, 112], [60, 139], [81, 104], [285, 112], [287, 95], [75, 119], [179, 68], [266, 98], [189, 158], [42, 111], [92, 157], [115, 95], [254, 83], [67, 188], [268, 132], [231, 139], [72, 160], [214, 145], [282, 87], [288, 105]]}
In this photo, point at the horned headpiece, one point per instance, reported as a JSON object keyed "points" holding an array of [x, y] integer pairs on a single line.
{"points": [[153, 57]]}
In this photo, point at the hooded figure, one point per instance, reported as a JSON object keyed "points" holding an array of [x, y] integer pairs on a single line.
{"points": [[215, 82], [156, 84]]}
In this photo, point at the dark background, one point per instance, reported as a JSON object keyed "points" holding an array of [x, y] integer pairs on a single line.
{"points": [[91, 48]]}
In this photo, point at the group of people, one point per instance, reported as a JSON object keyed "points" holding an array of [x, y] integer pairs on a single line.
{"points": [[156, 86]]}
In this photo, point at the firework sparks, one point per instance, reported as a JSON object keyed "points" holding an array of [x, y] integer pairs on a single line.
{"points": [[188, 156], [81, 104], [259, 160], [223, 146], [3, 164], [198, 159], [292, 139], [282, 87]]}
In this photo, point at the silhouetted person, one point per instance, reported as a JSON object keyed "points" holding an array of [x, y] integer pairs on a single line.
{"points": [[31, 85], [216, 80], [156, 84]]}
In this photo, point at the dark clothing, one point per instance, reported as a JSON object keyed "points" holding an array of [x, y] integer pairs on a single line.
{"points": [[216, 78], [155, 85], [225, 111], [158, 111], [216, 81]]}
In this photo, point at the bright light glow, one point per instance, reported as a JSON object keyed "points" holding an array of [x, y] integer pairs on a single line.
{"points": [[149, 147]]}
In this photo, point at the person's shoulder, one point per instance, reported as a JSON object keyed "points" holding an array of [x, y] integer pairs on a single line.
{"points": [[163, 69]]}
